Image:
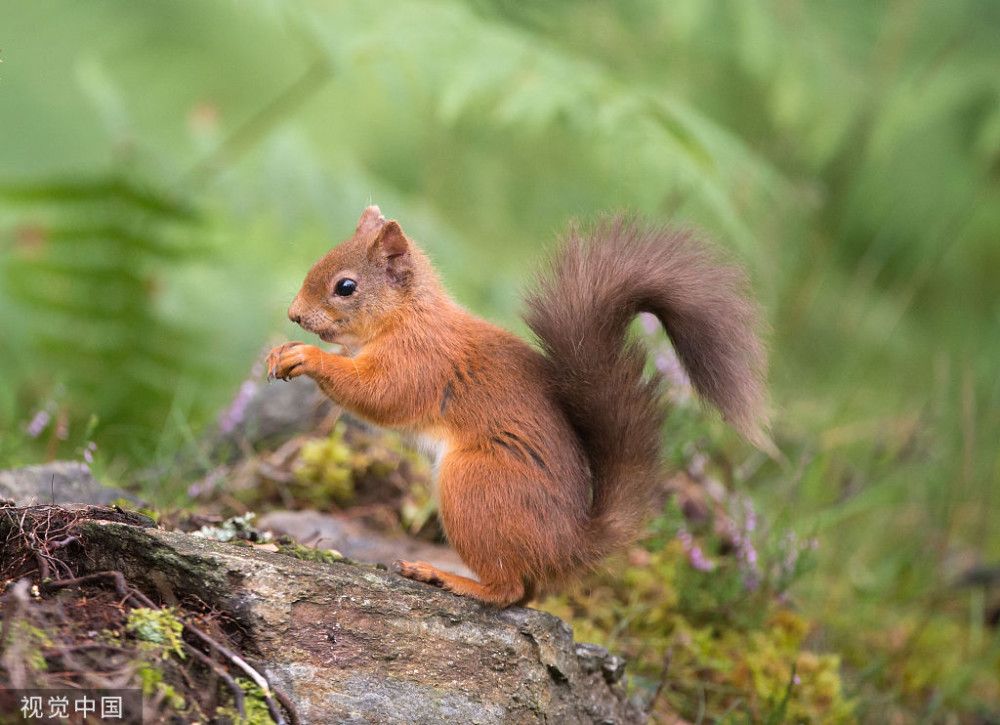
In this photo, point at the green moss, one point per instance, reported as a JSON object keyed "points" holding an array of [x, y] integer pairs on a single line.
{"points": [[151, 680], [34, 641], [309, 553], [110, 636], [735, 647], [331, 470], [159, 633], [329, 464], [254, 705], [124, 503], [158, 627], [418, 506]]}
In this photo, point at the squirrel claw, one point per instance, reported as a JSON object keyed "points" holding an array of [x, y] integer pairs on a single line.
{"points": [[287, 361]]}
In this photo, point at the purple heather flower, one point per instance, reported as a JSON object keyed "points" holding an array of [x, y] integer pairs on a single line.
{"points": [[698, 560], [741, 534], [649, 322], [39, 423], [666, 361], [207, 484], [792, 551], [88, 452], [670, 367], [237, 410], [746, 551], [796, 680], [696, 466], [695, 555], [750, 515]]}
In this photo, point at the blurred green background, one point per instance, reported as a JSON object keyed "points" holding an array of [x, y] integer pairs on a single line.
{"points": [[170, 170]]}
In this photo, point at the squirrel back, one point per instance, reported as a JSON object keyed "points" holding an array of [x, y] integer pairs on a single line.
{"points": [[581, 310]]}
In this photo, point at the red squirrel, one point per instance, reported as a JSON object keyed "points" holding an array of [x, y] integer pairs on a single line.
{"points": [[550, 456]]}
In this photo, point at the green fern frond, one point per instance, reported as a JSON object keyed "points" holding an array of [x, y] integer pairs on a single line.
{"points": [[87, 256], [508, 80]]}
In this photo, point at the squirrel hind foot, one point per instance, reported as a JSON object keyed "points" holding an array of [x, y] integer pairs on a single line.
{"points": [[499, 593]]}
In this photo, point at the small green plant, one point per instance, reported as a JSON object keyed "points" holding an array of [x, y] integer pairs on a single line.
{"points": [[160, 628], [151, 680], [417, 507], [351, 464], [159, 632], [254, 705], [32, 641], [330, 463]]}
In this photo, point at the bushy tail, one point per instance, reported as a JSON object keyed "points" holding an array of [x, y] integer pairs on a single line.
{"points": [[581, 310]]}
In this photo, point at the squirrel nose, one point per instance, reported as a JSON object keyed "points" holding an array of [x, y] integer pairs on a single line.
{"points": [[296, 310]]}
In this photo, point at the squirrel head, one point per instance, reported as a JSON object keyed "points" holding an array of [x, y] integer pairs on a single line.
{"points": [[361, 286]]}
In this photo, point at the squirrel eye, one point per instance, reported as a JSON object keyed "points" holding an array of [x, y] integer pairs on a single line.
{"points": [[345, 287]]}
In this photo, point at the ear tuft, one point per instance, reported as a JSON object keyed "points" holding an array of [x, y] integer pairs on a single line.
{"points": [[371, 219]]}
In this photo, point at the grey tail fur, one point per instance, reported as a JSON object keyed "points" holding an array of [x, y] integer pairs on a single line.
{"points": [[581, 310]]}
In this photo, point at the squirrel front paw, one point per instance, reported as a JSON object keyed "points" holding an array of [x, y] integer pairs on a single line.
{"points": [[290, 360]]}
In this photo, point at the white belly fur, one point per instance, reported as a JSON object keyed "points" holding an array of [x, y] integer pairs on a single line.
{"points": [[434, 446]]}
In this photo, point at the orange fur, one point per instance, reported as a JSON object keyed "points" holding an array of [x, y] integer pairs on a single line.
{"points": [[520, 498]]}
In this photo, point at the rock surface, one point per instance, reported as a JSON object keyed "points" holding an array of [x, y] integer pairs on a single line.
{"points": [[265, 411], [355, 644], [356, 540], [59, 482]]}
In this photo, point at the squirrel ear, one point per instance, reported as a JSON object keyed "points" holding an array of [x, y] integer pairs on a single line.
{"points": [[391, 242], [392, 247], [371, 219]]}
